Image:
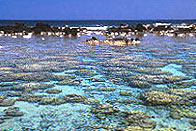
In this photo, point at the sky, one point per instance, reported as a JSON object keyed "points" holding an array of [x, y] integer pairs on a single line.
{"points": [[97, 9]]}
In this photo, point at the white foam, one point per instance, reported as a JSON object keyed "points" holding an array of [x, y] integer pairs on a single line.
{"points": [[94, 28]]}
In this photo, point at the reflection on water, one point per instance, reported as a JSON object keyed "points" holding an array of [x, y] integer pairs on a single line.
{"points": [[116, 76]]}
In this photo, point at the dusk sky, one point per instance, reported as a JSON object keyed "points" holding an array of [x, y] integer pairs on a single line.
{"points": [[97, 9]]}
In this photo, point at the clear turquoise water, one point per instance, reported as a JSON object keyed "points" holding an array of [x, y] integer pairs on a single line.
{"points": [[68, 116]]}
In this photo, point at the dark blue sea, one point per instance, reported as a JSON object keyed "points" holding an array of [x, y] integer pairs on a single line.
{"points": [[94, 22]]}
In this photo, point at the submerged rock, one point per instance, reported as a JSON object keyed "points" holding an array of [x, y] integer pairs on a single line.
{"points": [[125, 93], [160, 98], [96, 80], [13, 111], [71, 82], [150, 71], [41, 67], [105, 109], [91, 101], [74, 98], [6, 102], [139, 84], [106, 88], [188, 95], [192, 122], [179, 112], [31, 98], [155, 79], [101, 89], [182, 84], [54, 91], [63, 77], [26, 77], [10, 113], [5, 84], [32, 86], [14, 94], [52, 101], [85, 73], [140, 119]]}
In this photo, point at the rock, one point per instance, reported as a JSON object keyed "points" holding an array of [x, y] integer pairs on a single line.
{"points": [[32, 86], [160, 98], [7, 102], [106, 88], [27, 77], [96, 80], [5, 117], [172, 79], [134, 128], [1, 121], [75, 82], [155, 79], [141, 119], [192, 122], [41, 67], [106, 109], [31, 98], [186, 94], [74, 98], [150, 71], [53, 91], [178, 112], [128, 101], [94, 38], [193, 127], [14, 94], [175, 115], [140, 84], [2, 98], [101, 89], [4, 84], [91, 101], [13, 111], [140, 28], [63, 77], [40, 27], [182, 84], [52, 101], [85, 73], [165, 129], [125, 93]]}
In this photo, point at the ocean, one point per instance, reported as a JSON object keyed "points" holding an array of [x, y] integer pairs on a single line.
{"points": [[80, 23], [62, 84]]}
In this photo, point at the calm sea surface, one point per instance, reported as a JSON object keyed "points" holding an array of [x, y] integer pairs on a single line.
{"points": [[95, 22]]}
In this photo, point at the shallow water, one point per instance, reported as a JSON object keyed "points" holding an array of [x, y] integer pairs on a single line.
{"points": [[176, 56]]}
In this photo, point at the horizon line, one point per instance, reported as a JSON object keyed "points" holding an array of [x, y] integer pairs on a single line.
{"points": [[90, 20]]}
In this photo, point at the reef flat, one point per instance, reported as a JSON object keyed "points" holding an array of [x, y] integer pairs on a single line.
{"points": [[56, 80]]}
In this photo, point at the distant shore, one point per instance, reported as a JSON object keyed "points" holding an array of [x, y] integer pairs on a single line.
{"points": [[110, 32]]}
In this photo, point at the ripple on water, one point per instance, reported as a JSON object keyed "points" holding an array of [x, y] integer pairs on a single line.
{"points": [[69, 116]]}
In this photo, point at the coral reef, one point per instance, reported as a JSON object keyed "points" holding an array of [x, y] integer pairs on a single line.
{"points": [[54, 91], [6, 102], [140, 119], [125, 93], [104, 109], [161, 98], [70, 82], [91, 101], [10, 113], [85, 73]]}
